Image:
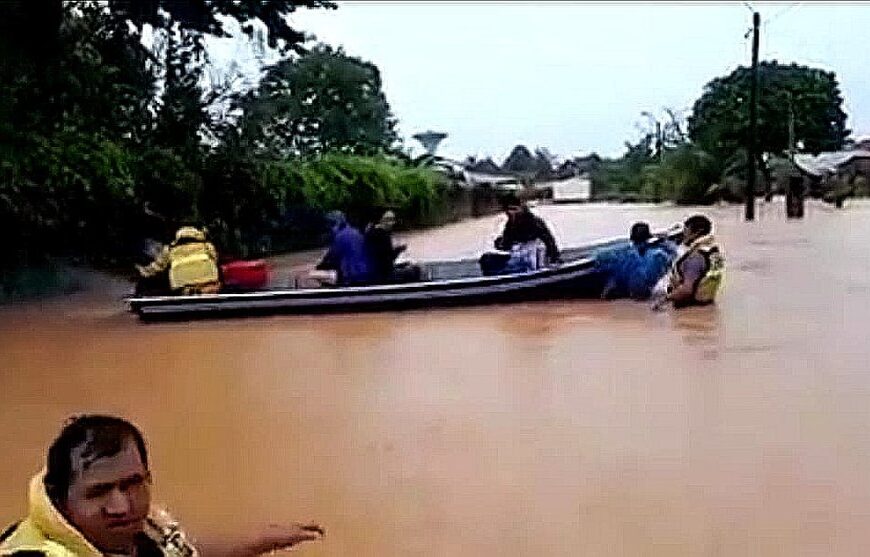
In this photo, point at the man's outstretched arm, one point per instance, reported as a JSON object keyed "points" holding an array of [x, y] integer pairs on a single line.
{"points": [[273, 537]]}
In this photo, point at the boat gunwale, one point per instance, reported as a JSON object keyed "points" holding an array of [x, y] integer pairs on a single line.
{"points": [[301, 292], [383, 293], [366, 299]]}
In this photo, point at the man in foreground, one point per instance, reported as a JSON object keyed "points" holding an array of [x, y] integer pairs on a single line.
{"points": [[94, 499], [696, 275]]}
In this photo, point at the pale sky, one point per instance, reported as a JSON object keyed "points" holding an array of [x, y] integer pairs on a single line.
{"points": [[574, 77]]}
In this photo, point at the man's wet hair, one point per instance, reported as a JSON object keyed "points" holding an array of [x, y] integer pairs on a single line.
{"points": [[640, 232], [700, 224], [96, 436], [510, 200]]}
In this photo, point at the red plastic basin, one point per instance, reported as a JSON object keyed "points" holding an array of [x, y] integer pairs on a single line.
{"points": [[246, 274]]}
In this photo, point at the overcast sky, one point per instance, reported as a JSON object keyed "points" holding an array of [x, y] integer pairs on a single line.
{"points": [[574, 77]]}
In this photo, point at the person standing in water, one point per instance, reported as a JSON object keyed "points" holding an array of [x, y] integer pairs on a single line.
{"points": [[696, 275]]}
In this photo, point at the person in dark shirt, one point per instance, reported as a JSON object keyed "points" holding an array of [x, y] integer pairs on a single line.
{"points": [[382, 253], [522, 230], [524, 226]]}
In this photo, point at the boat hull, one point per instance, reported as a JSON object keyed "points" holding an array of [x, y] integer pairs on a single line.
{"points": [[449, 284]]}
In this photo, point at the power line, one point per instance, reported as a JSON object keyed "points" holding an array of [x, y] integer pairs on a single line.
{"points": [[781, 13], [749, 7], [765, 25]]}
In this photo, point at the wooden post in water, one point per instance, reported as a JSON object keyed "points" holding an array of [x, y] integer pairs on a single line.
{"points": [[753, 121], [794, 198]]}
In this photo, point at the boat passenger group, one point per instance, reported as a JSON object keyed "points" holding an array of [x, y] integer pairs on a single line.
{"points": [[362, 253]]}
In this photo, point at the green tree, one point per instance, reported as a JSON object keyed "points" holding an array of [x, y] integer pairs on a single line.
{"points": [[67, 123], [685, 175], [323, 101], [32, 30], [182, 116], [719, 123], [203, 17], [520, 160]]}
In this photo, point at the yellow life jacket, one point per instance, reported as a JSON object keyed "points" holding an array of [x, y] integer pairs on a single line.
{"points": [[704, 291], [192, 260], [45, 530]]}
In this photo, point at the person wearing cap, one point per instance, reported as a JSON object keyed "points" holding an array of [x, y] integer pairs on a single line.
{"points": [[634, 271], [191, 262]]}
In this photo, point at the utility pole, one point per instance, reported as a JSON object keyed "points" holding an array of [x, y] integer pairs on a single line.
{"points": [[791, 145], [659, 148], [660, 140], [753, 121]]}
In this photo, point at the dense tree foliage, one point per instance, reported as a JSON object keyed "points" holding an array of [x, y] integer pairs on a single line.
{"points": [[104, 141], [204, 17], [709, 161], [323, 101], [720, 118]]}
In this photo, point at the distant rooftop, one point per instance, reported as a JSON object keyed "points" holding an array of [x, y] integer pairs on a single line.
{"points": [[828, 163]]}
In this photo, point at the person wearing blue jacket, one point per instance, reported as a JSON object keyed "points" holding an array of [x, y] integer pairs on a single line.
{"points": [[634, 270], [347, 255]]}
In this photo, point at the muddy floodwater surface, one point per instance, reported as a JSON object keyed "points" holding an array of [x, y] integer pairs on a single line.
{"points": [[559, 428]]}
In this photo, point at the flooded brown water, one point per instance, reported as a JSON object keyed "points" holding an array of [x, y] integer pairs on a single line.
{"points": [[569, 428]]}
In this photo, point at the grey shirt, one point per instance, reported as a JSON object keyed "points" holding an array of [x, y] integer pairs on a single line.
{"points": [[693, 267]]}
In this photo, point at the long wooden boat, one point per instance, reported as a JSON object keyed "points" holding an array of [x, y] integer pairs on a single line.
{"points": [[445, 283]]}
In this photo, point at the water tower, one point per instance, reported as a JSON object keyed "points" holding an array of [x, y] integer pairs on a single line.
{"points": [[430, 140]]}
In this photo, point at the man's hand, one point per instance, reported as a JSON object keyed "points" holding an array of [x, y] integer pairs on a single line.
{"points": [[682, 292], [273, 537], [285, 536], [660, 294]]}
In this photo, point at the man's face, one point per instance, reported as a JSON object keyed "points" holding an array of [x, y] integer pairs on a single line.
{"points": [[388, 222], [512, 211], [689, 235], [109, 500]]}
